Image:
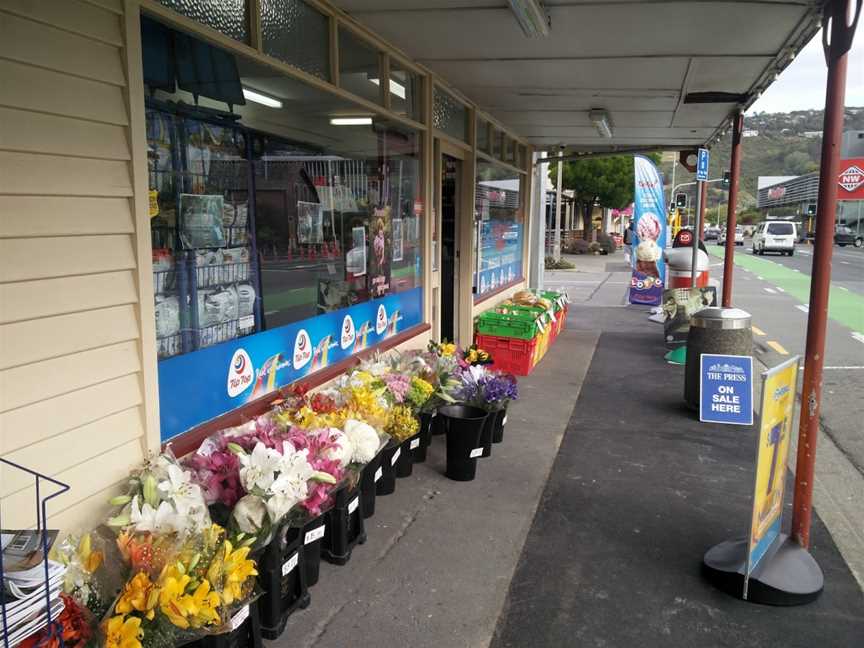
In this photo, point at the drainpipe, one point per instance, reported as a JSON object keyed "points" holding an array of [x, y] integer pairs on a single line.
{"points": [[836, 51], [734, 173]]}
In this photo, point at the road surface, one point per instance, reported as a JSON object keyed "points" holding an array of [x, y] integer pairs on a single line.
{"points": [[775, 290]]}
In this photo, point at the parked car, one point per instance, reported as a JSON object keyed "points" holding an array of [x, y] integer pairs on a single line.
{"points": [[775, 236], [844, 236], [739, 236], [712, 232]]}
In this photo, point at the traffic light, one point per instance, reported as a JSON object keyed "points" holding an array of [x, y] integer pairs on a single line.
{"points": [[811, 209], [725, 179], [681, 200]]}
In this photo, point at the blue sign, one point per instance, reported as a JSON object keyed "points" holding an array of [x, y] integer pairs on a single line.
{"points": [[702, 165], [649, 229], [726, 389], [197, 387]]}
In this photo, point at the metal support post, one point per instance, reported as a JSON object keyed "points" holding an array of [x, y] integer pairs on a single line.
{"points": [[703, 196], [700, 212], [556, 250], [836, 50], [731, 220]]}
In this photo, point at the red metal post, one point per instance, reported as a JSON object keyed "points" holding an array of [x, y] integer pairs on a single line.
{"points": [[811, 396], [700, 223], [731, 221]]}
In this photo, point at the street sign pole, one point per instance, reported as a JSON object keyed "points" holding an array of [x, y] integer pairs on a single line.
{"points": [[836, 52], [702, 160]]}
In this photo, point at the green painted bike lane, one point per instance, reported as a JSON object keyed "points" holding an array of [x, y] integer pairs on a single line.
{"points": [[844, 307]]}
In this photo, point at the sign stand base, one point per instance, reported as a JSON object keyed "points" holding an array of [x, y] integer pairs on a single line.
{"points": [[786, 575]]}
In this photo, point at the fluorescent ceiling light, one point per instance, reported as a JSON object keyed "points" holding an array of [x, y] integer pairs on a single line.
{"points": [[532, 17], [600, 119], [264, 100], [395, 88], [351, 121]]}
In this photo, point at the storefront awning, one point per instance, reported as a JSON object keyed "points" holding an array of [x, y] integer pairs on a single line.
{"points": [[666, 74]]}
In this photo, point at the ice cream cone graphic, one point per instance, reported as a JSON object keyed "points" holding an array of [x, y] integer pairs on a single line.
{"points": [[319, 356], [266, 380]]}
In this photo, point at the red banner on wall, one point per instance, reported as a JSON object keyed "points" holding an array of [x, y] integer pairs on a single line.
{"points": [[850, 180]]}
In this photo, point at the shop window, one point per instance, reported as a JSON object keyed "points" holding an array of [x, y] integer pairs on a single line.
{"points": [[272, 212], [294, 32], [497, 139], [449, 115], [406, 91], [483, 135], [499, 228], [227, 16], [359, 67]]}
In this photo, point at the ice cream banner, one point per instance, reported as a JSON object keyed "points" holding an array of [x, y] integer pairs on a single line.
{"points": [[649, 272], [197, 387]]}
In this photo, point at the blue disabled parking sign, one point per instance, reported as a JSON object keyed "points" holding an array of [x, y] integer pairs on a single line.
{"points": [[726, 389]]}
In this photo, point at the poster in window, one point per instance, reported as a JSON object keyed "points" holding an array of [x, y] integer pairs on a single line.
{"points": [[379, 264], [310, 223], [201, 221], [355, 259], [397, 240]]}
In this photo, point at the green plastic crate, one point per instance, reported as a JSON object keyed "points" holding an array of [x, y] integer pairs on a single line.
{"points": [[512, 326]]}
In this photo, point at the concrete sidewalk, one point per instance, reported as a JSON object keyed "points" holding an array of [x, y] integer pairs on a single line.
{"points": [[441, 554]]}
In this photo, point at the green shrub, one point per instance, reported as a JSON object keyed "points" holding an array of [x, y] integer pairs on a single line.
{"points": [[552, 264]]}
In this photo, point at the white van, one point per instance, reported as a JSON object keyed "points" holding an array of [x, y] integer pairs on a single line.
{"points": [[775, 236]]}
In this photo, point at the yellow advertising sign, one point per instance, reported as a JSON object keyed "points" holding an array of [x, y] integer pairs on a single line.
{"points": [[153, 196], [775, 429]]}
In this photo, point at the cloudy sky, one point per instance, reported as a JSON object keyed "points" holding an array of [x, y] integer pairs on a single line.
{"points": [[801, 86]]}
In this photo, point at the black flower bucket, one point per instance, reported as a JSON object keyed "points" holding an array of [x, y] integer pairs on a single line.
{"points": [[437, 424], [283, 580], [386, 484], [245, 631], [312, 533], [463, 426], [486, 434], [405, 462], [500, 422], [372, 472], [343, 526], [425, 436]]}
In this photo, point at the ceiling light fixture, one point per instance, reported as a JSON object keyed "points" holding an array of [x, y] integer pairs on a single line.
{"points": [[532, 17], [351, 121], [395, 88], [601, 121], [264, 100]]}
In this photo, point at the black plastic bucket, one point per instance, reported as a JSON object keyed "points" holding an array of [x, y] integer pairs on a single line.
{"points": [[486, 434], [343, 526], [425, 436], [437, 424], [405, 463], [372, 472], [463, 425], [245, 631], [312, 535], [500, 422], [386, 484], [283, 580]]}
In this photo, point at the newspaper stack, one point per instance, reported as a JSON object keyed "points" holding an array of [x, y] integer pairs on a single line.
{"points": [[24, 603]]}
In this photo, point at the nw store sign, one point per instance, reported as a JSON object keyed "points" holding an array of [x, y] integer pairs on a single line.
{"points": [[851, 179]]}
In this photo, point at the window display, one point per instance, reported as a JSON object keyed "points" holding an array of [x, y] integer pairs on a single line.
{"points": [[255, 227], [498, 228]]}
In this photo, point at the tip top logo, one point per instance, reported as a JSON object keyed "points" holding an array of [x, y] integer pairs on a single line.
{"points": [[302, 350], [240, 373], [851, 178], [348, 335], [381, 320]]}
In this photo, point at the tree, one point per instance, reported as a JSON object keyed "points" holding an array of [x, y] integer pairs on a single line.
{"points": [[797, 163], [605, 181]]}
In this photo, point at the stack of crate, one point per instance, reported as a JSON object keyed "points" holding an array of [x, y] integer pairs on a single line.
{"points": [[517, 337]]}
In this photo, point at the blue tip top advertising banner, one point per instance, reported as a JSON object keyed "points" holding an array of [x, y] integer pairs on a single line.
{"points": [[197, 387], [649, 228]]}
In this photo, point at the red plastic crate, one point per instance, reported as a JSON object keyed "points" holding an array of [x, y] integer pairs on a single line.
{"points": [[510, 354]]}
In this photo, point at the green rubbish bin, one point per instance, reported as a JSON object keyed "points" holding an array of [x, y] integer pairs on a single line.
{"points": [[724, 331]]}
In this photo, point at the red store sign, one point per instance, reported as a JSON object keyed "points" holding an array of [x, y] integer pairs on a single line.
{"points": [[850, 180]]}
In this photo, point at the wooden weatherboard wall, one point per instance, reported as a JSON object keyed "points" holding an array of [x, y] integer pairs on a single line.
{"points": [[73, 377]]}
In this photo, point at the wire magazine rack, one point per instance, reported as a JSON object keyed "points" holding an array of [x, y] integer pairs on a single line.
{"points": [[54, 629]]}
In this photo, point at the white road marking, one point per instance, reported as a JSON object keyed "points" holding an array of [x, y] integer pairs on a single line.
{"points": [[843, 288], [802, 308], [759, 278], [845, 263], [770, 290], [853, 367], [804, 252], [858, 336], [779, 288]]}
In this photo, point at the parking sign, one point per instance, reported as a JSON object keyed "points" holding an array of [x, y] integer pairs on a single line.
{"points": [[702, 165]]}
